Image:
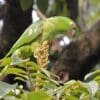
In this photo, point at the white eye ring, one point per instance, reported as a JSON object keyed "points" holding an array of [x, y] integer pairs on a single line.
{"points": [[65, 41]]}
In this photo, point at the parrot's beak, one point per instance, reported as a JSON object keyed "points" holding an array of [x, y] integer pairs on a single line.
{"points": [[71, 33], [72, 30]]}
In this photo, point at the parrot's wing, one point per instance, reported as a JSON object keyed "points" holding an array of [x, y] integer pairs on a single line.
{"points": [[30, 34]]}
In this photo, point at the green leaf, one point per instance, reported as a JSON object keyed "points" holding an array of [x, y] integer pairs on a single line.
{"points": [[15, 71], [93, 87], [32, 66], [5, 88], [26, 4], [82, 91], [45, 83], [5, 61], [97, 95], [92, 75], [47, 73], [20, 78], [3, 70], [17, 60], [70, 97], [62, 89], [97, 79], [44, 71], [39, 95], [10, 98], [69, 83], [25, 77]]}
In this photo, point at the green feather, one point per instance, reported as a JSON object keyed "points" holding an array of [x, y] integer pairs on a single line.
{"points": [[46, 29]]}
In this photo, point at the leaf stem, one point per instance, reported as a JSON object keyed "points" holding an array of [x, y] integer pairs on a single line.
{"points": [[37, 83], [29, 76]]}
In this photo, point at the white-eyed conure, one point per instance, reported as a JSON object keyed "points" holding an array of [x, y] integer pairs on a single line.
{"points": [[46, 29]]}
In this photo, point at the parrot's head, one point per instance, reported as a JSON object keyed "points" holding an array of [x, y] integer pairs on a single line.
{"points": [[71, 32], [58, 26], [65, 25], [70, 27]]}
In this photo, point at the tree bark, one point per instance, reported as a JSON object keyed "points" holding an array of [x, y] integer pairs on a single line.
{"points": [[15, 22], [79, 57]]}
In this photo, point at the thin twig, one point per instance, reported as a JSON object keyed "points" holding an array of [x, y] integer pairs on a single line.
{"points": [[37, 83], [39, 13]]}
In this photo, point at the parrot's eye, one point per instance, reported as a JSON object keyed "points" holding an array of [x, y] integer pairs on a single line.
{"points": [[73, 31]]}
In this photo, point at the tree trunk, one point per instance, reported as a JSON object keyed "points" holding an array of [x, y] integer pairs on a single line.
{"points": [[72, 6], [15, 22]]}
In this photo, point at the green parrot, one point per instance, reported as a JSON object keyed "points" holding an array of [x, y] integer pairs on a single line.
{"points": [[46, 29]]}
